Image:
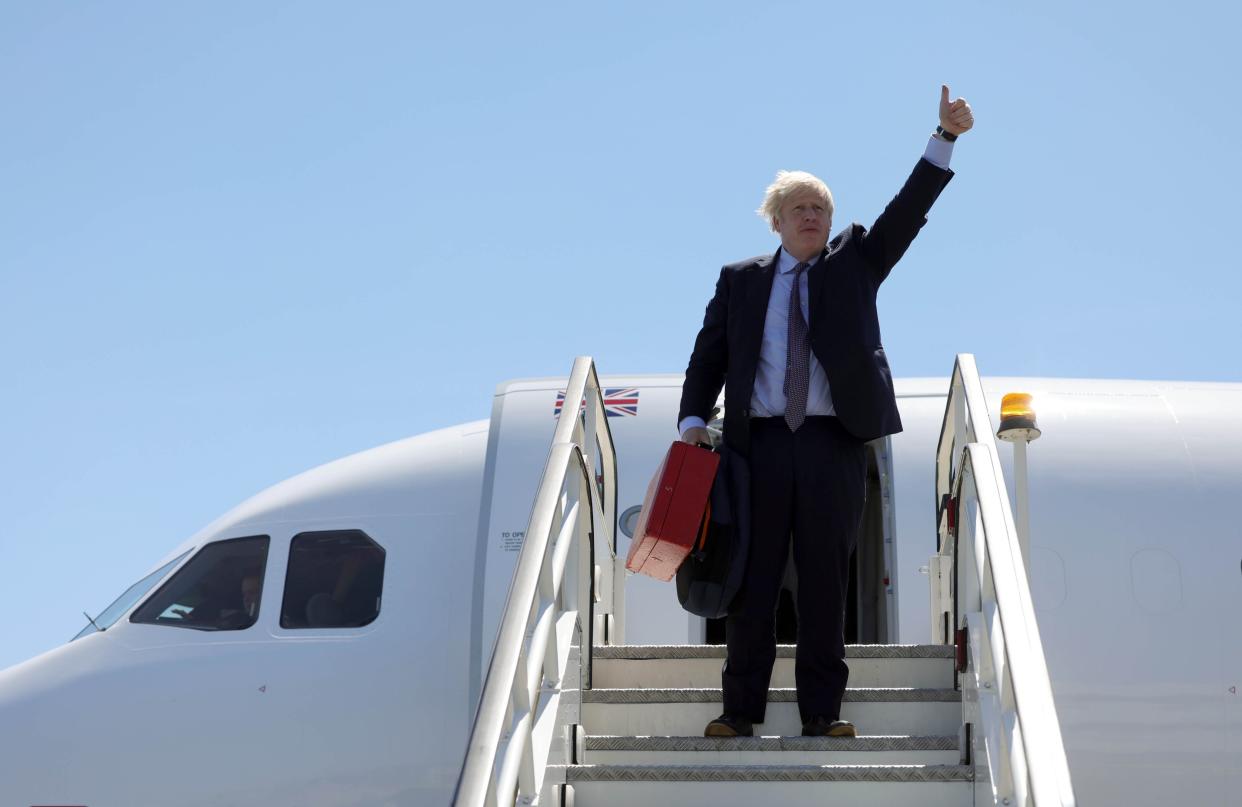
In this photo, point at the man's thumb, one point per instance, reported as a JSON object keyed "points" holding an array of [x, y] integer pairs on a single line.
{"points": [[944, 93]]}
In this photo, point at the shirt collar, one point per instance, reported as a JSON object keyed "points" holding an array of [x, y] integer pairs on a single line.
{"points": [[786, 262]]}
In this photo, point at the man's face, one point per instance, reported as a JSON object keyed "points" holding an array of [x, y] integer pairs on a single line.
{"points": [[804, 223]]}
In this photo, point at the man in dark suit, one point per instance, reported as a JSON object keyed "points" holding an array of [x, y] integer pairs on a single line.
{"points": [[795, 340]]}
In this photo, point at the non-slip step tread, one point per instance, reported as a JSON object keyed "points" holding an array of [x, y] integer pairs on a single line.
{"points": [[677, 651], [769, 773], [876, 742], [775, 695]]}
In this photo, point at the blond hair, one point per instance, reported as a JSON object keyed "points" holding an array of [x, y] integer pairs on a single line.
{"points": [[786, 184]]}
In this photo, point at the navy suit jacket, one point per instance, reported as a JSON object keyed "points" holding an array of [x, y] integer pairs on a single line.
{"points": [[844, 326]]}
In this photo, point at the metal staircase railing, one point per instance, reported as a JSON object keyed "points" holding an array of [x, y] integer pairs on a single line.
{"points": [[981, 595], [566, 566]]}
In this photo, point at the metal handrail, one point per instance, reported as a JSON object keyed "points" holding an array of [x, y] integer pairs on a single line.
{"points": [[1007, 666], [965, 408], [591, 432], [531, 654]]}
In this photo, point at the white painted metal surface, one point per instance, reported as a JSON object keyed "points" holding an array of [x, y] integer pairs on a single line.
{"points": [[890, 713], [1022, 501], [808, 794], [569, 536], [665, 671], [643, 740], [154, 715], [1134, 574], [1021, 749]]}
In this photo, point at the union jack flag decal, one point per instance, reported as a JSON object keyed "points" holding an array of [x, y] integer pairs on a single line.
{"points": [[618, 402]]}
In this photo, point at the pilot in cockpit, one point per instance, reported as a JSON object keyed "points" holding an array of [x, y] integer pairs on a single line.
{"points": [[251, 587], [233, 617]]}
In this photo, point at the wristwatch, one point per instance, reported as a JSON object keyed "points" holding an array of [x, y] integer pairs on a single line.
{"points": [[946, 134]]}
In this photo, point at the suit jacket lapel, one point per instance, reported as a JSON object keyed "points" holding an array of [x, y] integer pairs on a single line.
{"points": [[815, 278], [757, 294], [755, 313]]}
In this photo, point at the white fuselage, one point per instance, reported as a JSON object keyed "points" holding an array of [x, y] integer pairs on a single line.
{"points": [[1135, 572]]}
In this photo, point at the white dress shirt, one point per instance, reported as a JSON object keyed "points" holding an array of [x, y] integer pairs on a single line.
{"points": [[768, 397]]}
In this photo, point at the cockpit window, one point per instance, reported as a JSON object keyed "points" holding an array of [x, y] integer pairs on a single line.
{"points": [[335, 580], [108, 617], [220, 588]]}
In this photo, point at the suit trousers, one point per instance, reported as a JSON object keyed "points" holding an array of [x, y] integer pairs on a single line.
{"points": [[808, 485]]}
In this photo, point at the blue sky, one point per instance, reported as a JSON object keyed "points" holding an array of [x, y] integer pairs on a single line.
{"points": [[238, 240]]}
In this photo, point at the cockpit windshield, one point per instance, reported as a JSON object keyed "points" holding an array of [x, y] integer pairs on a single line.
{"points": [[220, 588], [137, 591]]}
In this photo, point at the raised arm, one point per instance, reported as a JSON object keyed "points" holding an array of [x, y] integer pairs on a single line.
{"points": [[889, 238]]}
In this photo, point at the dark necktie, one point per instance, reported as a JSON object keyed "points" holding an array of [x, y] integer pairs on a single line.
{"points": [[797, 356]]}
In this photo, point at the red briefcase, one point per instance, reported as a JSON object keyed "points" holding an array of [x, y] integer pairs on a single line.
{"points": [[672, 513]]}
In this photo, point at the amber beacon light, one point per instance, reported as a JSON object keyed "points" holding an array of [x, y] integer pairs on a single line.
{"points": [[1018, 428], [1018, 418]]}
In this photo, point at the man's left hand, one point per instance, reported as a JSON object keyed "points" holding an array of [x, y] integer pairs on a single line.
{"points": [[955, 116]]}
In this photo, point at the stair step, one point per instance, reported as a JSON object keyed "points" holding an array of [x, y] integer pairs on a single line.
{"points": [[717, 651], [699, 665], [793, 785], [685, 711], [769, 773], [773, 750], [704, 672], [775, 695]]}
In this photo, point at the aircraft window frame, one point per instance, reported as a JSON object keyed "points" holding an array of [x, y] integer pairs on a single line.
{"points": [[130, 597], [324, 596], [240, 616]]}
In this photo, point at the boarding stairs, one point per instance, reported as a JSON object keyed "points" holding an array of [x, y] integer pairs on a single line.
{"points": [[640, 737], [570, 715]]}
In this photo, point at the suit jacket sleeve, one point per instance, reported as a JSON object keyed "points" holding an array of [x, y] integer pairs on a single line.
{"points": [[706, 372], [902, 219]]}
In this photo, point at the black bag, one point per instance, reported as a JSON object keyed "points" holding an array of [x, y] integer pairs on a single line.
{"points": [[712, 573]]}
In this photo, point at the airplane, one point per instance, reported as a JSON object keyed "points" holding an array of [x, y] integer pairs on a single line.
{"points": [[327, 641]]}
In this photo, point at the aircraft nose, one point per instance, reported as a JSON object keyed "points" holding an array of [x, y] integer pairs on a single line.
{"points": [[39, 745]]}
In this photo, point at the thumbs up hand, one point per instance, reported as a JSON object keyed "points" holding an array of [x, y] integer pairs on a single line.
{"points": [[955, 116]]}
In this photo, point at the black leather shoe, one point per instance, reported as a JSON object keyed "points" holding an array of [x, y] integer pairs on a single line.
{"points": [[728, 726], [823, 727]]}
